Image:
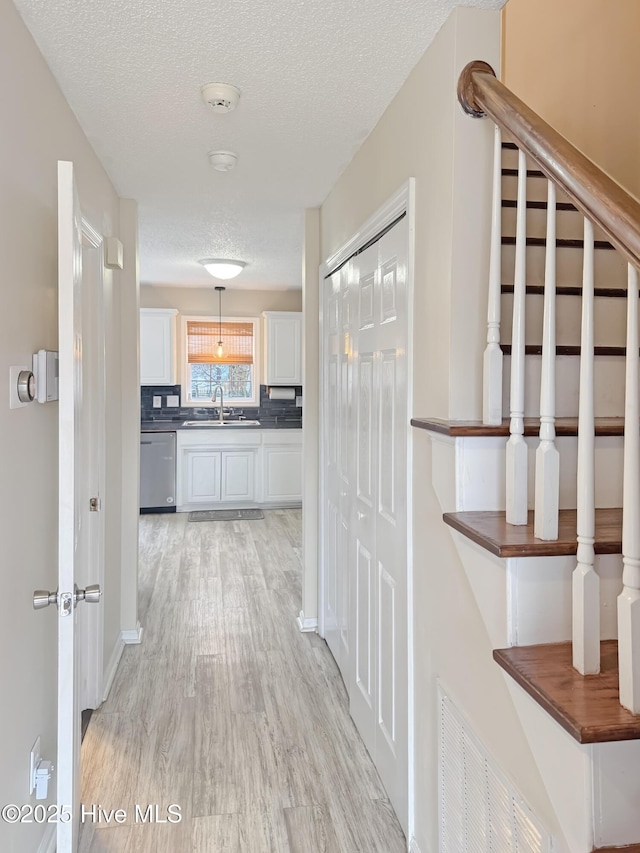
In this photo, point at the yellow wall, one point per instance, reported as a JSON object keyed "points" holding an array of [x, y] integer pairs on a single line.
{"points": [[577, 64]]}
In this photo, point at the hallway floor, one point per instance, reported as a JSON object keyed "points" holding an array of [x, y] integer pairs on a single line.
{"points": [[227, 710]]}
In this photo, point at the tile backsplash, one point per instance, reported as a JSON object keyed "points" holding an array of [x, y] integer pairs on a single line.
{"points": [[269, 411]]}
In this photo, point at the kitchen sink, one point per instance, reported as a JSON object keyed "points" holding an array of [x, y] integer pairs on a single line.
{"points": [[216, 423]]}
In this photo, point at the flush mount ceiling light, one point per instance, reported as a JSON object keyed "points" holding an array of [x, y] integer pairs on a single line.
{"points": [[223, 161], [221, 97], [222, 267]]}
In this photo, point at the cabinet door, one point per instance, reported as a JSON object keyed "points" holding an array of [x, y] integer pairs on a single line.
{"points": [[283, 474], [157, 347], [201, 472], [284, 349], [237, 475]]}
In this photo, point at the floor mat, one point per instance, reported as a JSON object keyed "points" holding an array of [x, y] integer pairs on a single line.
{"points": [[226, 515]]}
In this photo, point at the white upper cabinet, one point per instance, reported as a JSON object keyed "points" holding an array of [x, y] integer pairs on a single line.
{"points": [[283, 347], [158, 346]]}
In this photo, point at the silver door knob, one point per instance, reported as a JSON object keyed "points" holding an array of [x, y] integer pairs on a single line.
{"points": [[92, 594], [43, 598]]}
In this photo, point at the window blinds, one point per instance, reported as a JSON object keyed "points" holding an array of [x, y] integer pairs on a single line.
{"points": [[203, 337]]}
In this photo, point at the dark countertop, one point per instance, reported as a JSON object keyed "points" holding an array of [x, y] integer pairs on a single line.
{"points": [[173, 426]]}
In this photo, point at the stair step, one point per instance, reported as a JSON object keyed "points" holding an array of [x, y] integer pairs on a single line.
{"points": [[626, 848], [536, 349], [539, 205], [531, 173], [570, 290], [587, 707], [490, 530], [476, 429], [560, 244]]}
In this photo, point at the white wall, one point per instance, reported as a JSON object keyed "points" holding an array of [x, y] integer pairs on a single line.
{"points": [[204, 301], [424, 134], [38, 129]]}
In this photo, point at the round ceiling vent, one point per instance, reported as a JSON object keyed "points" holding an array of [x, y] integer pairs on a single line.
{"points": [[221, 97], [223, 161]]}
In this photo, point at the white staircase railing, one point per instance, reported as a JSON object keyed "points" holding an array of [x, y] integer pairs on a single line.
{"points": [[586, 583], [606, 205], [517, 453], [629, 600], [547, 486]]}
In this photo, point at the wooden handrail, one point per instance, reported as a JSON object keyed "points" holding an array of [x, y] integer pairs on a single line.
{"points": [[598, 196]]}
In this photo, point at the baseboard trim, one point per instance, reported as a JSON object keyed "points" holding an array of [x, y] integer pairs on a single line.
{"points": [[413, 846], [307, 625], [132, 636], [112, 667], [48, 843]]}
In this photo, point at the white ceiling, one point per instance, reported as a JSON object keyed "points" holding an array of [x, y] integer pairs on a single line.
{"points": [[315, 76]]}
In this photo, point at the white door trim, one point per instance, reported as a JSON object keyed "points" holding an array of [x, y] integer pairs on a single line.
{"points": [[402, 201], [92, 661]]}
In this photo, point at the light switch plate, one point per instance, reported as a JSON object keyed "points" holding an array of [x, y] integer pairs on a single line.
{"points": [[173, 400], [299, 401], [157, 402]]}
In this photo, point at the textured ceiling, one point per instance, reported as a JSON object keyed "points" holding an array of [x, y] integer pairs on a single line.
{"points": [[315, 76]]}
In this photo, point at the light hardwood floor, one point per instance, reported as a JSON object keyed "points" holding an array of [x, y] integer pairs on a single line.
{"points": [[227, 710]]}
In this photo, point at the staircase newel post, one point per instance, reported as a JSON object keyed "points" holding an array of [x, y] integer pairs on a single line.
{"points": [[586, 583], [547, 488], [492, 364], [516, 455], [629, 599]]}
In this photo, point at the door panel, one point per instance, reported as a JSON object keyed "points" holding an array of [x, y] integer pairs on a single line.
{"points": [[237, 475], [71, 517], [203, 475], [365, 435]]}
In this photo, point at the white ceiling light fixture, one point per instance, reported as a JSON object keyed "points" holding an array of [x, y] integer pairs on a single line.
{"points": [[222, 267], [223, 161], [221, 97]]}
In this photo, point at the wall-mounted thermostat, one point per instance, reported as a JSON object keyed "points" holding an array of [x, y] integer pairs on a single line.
{"points": [[45, 369]]}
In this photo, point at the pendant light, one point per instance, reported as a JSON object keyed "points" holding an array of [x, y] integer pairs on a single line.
{"points": [[220, 350]]}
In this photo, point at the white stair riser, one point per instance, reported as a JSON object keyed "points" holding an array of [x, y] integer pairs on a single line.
{"points": [[539, 594], [481, 472], [610, 320], [610, 266], [609, 386]]}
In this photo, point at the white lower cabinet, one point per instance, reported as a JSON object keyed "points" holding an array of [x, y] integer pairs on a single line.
{"points": [[282, 473], [238, 469]]}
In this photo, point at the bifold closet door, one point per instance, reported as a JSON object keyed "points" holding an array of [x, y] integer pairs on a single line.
{"points": [[365, 486]]}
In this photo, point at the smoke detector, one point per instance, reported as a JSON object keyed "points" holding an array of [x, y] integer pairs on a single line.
{"points": [[221, 97], [223, 161]]}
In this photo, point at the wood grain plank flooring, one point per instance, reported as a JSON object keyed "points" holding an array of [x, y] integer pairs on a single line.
{"points": [[228, 710], [491, 531], [588, 707]]}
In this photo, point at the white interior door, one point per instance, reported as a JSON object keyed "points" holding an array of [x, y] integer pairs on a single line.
{"points": [[71, 519], [365, 523]]}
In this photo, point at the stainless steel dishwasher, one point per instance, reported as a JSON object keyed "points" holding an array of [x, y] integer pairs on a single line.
{"points": [[157, 472]]}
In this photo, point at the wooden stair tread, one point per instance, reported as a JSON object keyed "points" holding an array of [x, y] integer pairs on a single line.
{"points": [[561, 243], [531, 173], [490, 530], [536, 349], [625, 848], [540, 205], [564, 427], [571, 290], [588, 707]]}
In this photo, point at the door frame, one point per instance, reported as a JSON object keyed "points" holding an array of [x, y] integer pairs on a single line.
{"points": [[92, 630], [402, 201]]}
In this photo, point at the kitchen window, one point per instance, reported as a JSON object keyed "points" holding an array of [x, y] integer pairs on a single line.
{"points": [[233, 366]]}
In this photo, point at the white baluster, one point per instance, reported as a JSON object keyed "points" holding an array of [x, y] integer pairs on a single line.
{"points": [[586, 583], [516, 459], [492, 366], [629, 599], [547, 456]]}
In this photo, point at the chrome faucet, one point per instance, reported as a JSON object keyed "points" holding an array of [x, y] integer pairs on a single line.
{"points": [[213, 399]]}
